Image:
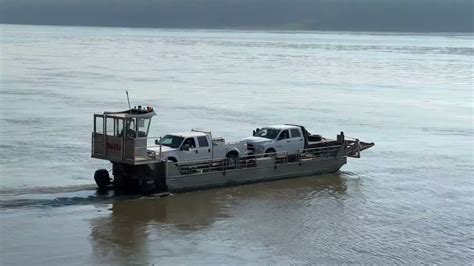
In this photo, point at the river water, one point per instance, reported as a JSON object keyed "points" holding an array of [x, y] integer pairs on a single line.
{"points": [[407, 200]]}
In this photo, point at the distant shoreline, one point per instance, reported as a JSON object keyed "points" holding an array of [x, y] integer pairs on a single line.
{"points": [[260, 29]]}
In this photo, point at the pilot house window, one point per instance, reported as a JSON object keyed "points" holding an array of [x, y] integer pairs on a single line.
{"points": [[114, 126], [143, 126], [99, 125]]}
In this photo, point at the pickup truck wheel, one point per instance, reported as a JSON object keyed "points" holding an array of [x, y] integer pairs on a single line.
{"points": [[270, 153], [231, 160]]}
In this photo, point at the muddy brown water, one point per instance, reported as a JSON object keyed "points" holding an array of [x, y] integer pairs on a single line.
{"points": [[408, 200]]}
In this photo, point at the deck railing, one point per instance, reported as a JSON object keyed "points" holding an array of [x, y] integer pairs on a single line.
{"points": [[251, 161]]}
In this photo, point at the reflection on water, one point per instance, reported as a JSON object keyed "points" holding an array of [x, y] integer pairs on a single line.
{"points": [[125, 234]]}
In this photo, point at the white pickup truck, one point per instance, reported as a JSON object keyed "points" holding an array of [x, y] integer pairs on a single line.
{"points": [[284, 138], [198, 146]]}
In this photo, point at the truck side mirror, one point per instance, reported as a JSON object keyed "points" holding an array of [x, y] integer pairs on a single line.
{"points": [[186, 147]]}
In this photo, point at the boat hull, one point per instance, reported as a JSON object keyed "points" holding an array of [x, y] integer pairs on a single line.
{"points": [[266, 169]]}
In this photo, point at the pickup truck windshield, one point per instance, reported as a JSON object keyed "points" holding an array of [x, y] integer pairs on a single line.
{"points": [[171, 141], [269, 133]]}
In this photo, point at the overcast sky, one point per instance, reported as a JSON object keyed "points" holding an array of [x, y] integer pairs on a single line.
{"points": [[377, 15]]}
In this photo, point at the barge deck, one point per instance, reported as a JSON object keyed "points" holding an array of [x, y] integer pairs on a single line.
{"points": [[121, 138]]}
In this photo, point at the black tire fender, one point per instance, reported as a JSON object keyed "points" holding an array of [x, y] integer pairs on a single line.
{"points": [[102, 178]]}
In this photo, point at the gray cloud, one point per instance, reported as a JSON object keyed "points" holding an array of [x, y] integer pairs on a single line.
{"points": [[370, 15]]}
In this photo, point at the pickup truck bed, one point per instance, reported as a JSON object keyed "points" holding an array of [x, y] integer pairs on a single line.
{"points": [[322, 143], [315, 141]]}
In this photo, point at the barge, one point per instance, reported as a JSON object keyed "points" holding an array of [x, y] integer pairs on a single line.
{"points": [[141, 163]]}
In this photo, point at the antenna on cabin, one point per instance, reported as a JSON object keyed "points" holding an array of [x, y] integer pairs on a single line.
{"points": [[128, 100]]}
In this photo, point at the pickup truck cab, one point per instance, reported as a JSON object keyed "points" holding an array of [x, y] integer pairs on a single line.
{"points": [[283, 138], [197, 146]]}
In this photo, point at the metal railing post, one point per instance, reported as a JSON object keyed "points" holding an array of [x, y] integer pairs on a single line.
{"points": [[161, 156], [298, 158], [104, 125], [92, 143]]}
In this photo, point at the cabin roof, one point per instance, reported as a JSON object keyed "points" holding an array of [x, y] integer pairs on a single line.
{"points": [[140, 113]]}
